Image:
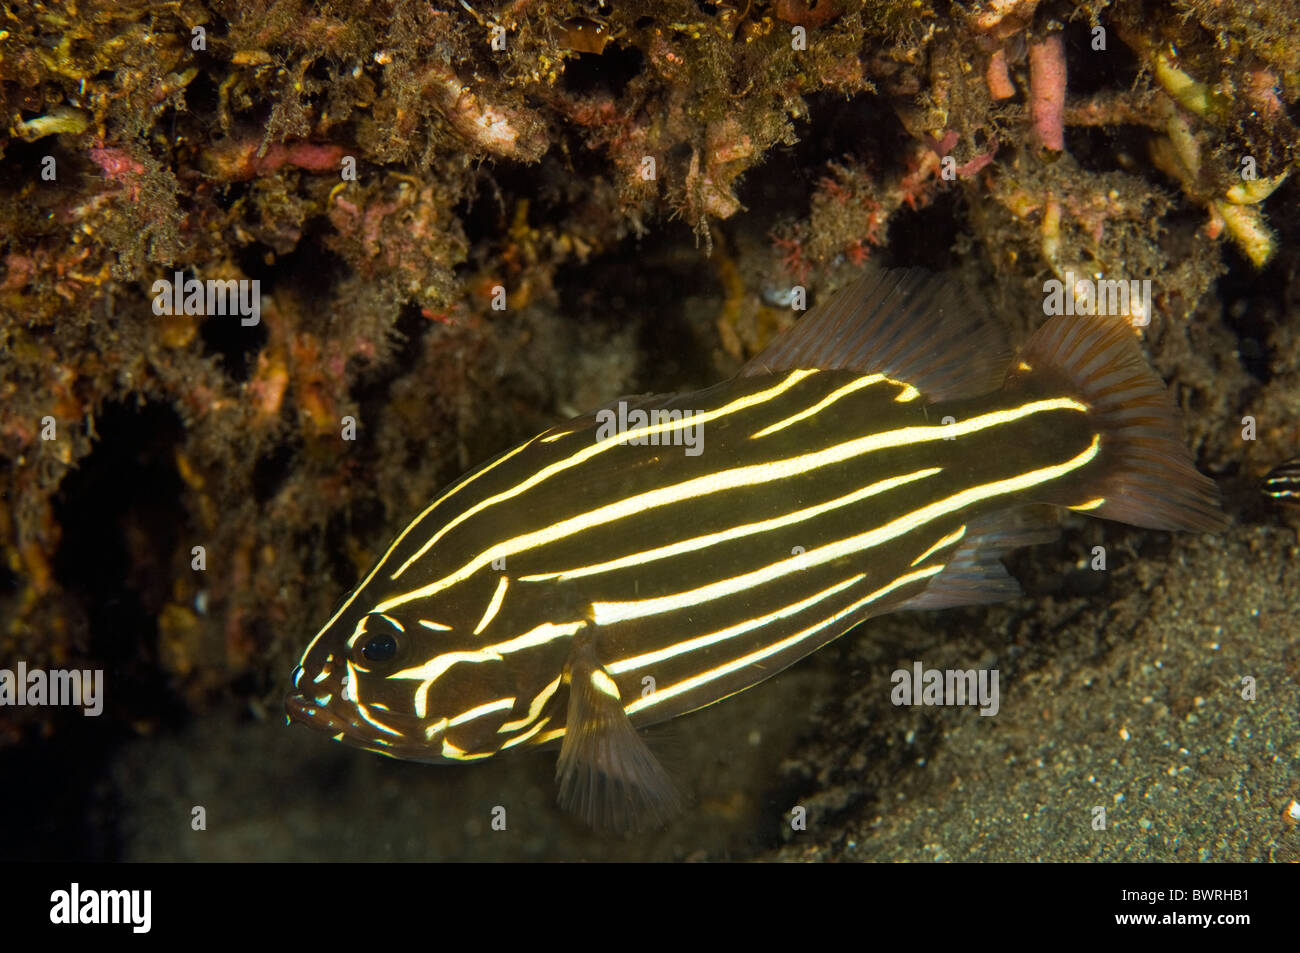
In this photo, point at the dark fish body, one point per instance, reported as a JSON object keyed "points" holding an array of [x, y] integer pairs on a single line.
{"points": [[599, 578]]}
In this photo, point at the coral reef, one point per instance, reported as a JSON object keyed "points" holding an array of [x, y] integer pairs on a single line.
{"points": [[419, 188]]}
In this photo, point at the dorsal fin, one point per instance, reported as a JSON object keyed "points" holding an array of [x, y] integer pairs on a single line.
{"points": [[909, 324]]}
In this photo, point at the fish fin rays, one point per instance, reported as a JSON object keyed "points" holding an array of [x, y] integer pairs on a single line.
{"points": [[1149, 477], [911, 325], [974, 574], [606, 773]]}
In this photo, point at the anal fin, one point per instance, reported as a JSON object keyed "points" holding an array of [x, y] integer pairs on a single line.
{"points": [[606, 773]]}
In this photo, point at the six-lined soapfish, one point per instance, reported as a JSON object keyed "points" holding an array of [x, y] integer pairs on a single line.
{"points": [[881, 455], [1282, 483]]}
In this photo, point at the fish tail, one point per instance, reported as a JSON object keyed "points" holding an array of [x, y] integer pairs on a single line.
{"points": [[1144, 475]]}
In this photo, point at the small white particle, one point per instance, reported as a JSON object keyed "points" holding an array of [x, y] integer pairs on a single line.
{"points": [[1291, 813]]}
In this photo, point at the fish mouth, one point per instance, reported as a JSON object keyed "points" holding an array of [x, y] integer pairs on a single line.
{"points": [[307, 711], [349, 728]]}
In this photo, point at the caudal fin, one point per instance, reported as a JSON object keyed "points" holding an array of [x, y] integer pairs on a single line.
{"points": [[1148, 477]]}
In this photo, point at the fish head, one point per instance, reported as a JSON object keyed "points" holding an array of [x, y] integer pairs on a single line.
{"points": [[400, 685], [350, 683]]}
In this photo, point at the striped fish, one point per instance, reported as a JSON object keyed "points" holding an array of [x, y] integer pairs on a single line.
{"points": [[591, 581], [1282, 483]]}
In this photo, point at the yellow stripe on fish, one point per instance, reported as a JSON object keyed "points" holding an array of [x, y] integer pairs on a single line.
{"points": [[1282, 483], [666, 552]]}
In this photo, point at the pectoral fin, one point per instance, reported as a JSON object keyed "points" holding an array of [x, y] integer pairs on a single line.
{"points": [[606, 773]]}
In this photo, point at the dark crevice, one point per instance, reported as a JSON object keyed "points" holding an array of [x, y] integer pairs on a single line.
{"points": [[202, 96], [372, 389], [236, 344], [310, 270], [929, 233], [62, 809], [119, 524], [485, 212], [1255, 302], [644, 284], [1092, 71], [610, 71], [272, 469], [1109, 149], [408, 334], [863, 130]]}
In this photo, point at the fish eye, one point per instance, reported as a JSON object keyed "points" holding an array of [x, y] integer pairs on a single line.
{"points": [[381, 648]]}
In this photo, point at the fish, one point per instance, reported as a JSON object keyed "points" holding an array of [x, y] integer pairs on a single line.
{"points": [[1282, 483], [665, 552]]}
